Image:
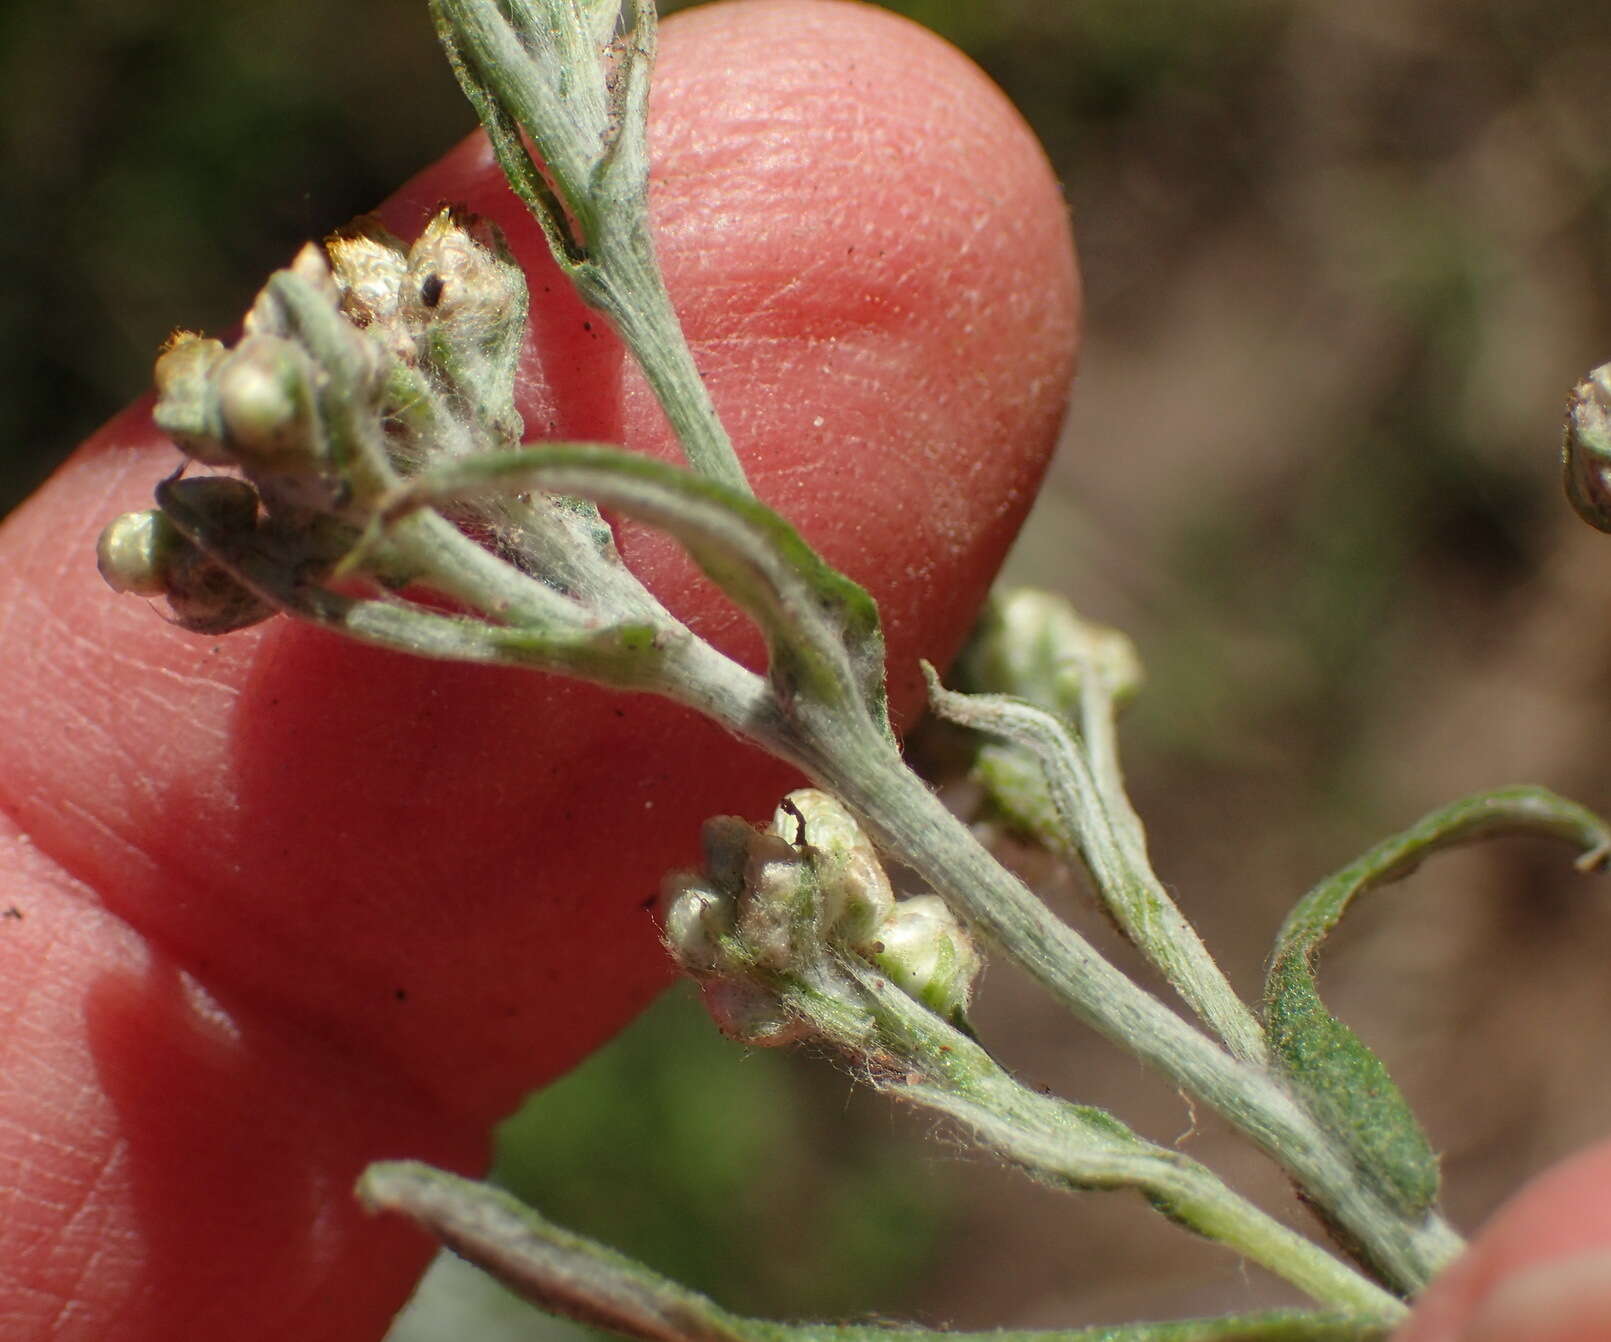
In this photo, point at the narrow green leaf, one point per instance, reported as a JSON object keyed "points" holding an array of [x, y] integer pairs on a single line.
{"points": [[564, 1273], [568, 1274], [1345, 1084], [825, 644], [505, 86], [1271, 1326]]}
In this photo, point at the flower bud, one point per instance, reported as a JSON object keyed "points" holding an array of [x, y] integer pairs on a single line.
{"points": [[272, 313], [146, 553], [928, 954], [694, 918], [854, 891], [464, 301], [265, 401], [750, 1015], [1031, 644], [187, 402], [725, 842], [137, 552], [457, 278], [778, 903], [369, 265]]}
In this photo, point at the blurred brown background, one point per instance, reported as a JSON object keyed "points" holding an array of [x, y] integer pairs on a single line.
{"points": [[1343, 262]]}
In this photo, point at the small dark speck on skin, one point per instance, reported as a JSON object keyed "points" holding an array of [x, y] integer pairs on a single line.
{"points": [[400, 994], [587, 326], [431, 290], [648, 904], [12, 914]]}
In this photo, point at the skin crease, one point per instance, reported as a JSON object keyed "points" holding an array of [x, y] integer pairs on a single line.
{"points": [[273, 906]]}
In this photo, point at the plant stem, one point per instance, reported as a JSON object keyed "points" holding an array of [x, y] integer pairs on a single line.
{"points": [[578, 1278], [1093, 824], [1081, 1147], [915, 829], [628, 287], [538, 77]]}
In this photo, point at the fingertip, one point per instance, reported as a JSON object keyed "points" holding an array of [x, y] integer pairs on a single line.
{"points": [[872, 259], [886, 306], [173, 1164], [1538, 1271]]}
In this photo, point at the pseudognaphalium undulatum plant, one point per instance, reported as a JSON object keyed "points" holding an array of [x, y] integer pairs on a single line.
{"points": [[367, 474]]}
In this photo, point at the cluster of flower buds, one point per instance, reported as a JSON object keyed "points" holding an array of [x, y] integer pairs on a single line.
{"points": [[776, 908], [357, 365], [1032, 645]]}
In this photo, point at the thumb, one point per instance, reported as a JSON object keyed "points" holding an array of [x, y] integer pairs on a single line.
{"points": [[1539, 1271], [284, 905]]}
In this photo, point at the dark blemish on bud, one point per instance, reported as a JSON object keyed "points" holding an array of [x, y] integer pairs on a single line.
{"points": [[799, 821], [12, 914], [878, 948], [431, 290]]}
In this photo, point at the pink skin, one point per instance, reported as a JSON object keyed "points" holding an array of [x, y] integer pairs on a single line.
{"points": [[1539, 1271], [273, 906]]}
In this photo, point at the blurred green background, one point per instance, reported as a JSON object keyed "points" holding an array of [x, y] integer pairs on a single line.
{"points": [[1343, 262]]}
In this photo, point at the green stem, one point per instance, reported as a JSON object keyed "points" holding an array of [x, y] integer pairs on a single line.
{"points": [[915, 829], [1094, 825], [828, 729], [1180, 947], [1084, 1148], [628, 287], [535, 76], [567, 1274]]}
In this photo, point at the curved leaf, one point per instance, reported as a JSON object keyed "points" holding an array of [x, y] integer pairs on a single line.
{"points": [[821, 629], [581, 1279], [1345, 1084]]}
